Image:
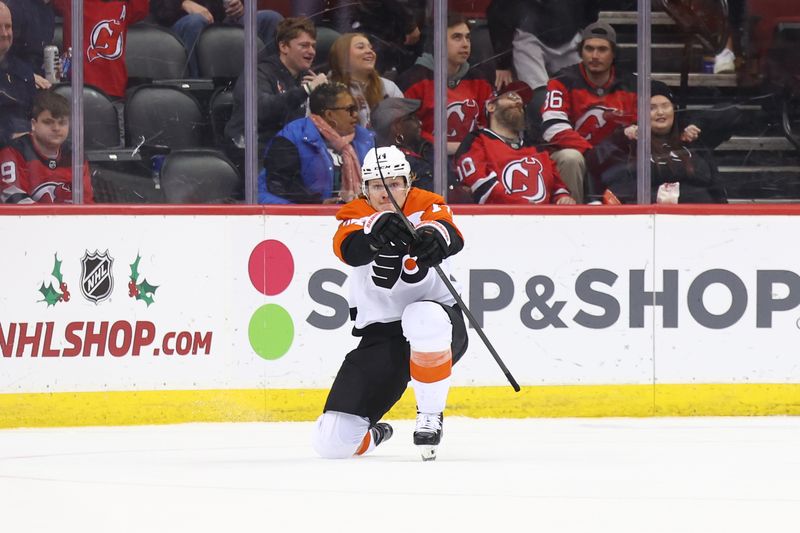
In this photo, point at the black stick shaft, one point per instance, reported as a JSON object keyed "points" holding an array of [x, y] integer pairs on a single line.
{"points": [[474, 323]]}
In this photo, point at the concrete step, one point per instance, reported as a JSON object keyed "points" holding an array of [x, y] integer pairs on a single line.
{"points": [[793, 170], [763, 144], [697, 79], [745, 201], [664, 57], [629, 18]]}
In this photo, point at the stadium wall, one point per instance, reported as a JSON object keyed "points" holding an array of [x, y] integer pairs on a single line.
{"points": [[142, 315]]}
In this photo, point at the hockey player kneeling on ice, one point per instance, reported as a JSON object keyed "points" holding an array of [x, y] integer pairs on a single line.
{"points": [[410, 327]]}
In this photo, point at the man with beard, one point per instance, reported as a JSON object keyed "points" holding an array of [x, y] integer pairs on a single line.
{"points": [[496, 164]]}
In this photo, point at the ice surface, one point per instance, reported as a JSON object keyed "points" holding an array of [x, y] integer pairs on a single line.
{"points": [[545, 475]]}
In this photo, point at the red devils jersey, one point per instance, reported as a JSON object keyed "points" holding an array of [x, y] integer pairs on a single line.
{"points": [[381, 289], [578, 114], [26, 176], [465, 102], [105, 26], [499, 173]]}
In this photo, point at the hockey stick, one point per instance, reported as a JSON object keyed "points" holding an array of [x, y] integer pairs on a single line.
{"points": [[446, 281]]}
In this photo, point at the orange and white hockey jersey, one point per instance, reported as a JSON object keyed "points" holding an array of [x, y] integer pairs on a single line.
{"points": [[383, 283]]}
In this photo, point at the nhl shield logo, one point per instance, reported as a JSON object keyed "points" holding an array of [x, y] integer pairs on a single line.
{"points": [[97, 281]]}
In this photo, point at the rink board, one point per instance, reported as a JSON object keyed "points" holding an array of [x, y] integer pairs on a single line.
{"points": [[241, 313]]}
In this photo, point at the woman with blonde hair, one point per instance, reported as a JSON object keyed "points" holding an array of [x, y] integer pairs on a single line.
{"points": [[352, 62]]}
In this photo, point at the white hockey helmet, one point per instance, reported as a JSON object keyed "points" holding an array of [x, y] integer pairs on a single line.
{"points": [[392, 162]]}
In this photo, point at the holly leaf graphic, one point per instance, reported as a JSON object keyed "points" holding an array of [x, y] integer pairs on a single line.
{"points": [[51, 295], [146, 292], [56, 273], [135, 268]]}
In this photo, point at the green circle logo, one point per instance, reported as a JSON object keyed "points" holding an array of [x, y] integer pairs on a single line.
{"points": [[271, 331]]}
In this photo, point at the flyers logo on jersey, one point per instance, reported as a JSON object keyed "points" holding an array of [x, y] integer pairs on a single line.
{"points": [[106, 39], [518, 177], [461, 118], [390, 266]]}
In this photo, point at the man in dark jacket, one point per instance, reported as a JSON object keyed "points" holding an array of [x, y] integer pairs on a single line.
{"points": [[283, 83], [188, 19], [34, 28], [17, 87]]}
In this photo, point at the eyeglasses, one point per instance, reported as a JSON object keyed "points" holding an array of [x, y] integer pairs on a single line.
{"points": [[352, 109], [394, 186]]}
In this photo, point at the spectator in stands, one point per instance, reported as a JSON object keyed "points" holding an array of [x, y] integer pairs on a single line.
{"points": [[395, 122], [188, 19], [352, 61], [466, 92], [339, 12], [544, 37], [17, 87], [317, 159], [725, 61], [105, 27], [394, 31], [681, 172], [34, 28], [37, 167], [585, 103], [283, 84], [497, 165]]}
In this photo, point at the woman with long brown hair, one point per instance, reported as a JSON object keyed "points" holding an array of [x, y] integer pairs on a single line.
{"points": [[352, 62]]}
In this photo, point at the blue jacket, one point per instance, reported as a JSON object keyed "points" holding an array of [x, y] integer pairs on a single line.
{"points": [[298, 165]]}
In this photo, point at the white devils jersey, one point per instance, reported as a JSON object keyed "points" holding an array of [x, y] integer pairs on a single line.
{"points": [[382, 289]]}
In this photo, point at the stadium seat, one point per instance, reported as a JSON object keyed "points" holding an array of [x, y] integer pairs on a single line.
{"points": [[200, 176], [220, 53], [325, 38], [164, 116], [100, 121], [153, 52], [219, 111]]}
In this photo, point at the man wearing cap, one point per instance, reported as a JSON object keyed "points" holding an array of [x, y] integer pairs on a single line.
{"points": [[585, 103], [498, 167], [395, 123]]}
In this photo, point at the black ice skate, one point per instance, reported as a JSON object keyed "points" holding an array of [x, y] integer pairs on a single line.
{"points": [[381, 432], [428, 434]]}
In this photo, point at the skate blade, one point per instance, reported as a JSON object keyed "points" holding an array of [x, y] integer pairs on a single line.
{"points": [[427, 452]]}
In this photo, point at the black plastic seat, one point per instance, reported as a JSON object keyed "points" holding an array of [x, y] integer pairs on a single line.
{"points": [[220, 53], [325, 38], [200, 176], [152, 53], [160, 115], [220, 109], [100, 119]]}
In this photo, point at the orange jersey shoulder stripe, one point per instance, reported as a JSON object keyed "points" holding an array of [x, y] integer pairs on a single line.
{"points": [[352, 217]]}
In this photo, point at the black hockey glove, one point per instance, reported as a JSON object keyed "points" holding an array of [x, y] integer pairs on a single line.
{"points": [[430, 248], [387, 227]]}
